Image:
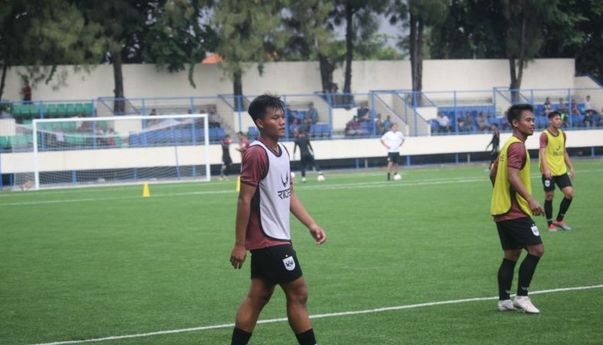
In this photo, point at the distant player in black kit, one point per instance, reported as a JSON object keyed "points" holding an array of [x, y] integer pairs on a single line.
{"points": [[306, 153], [226, 159], [495, 143]]}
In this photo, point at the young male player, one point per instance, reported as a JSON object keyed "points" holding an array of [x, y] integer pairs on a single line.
{"points": [[226, 159], [512, 205], [262, 226], [392, 140], [554, 164], [306, 153]]}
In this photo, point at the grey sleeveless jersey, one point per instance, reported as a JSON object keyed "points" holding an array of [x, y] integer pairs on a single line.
{"points": [[275, 195]]}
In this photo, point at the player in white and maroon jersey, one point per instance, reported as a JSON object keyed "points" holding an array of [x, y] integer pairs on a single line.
{"points": [[262, 226]]}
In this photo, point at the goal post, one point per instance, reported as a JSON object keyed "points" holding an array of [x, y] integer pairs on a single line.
{"points": [[120, 150]]}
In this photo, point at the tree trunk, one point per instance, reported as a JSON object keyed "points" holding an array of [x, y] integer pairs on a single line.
{"points": [[119, 105], [326, 73], [237, 88], [349, 48], [515, 81], [3, 79], [416, 57]]}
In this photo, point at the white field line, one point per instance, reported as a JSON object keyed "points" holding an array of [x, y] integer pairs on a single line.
{"points": [[339, 186], [318, 316]]}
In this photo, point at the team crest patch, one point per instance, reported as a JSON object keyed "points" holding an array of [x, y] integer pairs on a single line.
{"points": [[535, 230], [289, 263]]}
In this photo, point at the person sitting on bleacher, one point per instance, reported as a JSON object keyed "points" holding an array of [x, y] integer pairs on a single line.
{"points": [[353, 127], [443, 123], [468, 122], [311, 114], [547, 106], [483, 125]]}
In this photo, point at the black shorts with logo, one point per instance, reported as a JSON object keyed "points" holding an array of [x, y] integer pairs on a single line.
{"points": [[393, 157], [275, 265], [518, 233], [561, 181]]}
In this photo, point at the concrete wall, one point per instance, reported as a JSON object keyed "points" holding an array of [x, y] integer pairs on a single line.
{"points": [[324, 149], [145, 80]]}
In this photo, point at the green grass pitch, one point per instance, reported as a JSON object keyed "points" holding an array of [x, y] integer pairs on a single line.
{"points": [[83, 264]]}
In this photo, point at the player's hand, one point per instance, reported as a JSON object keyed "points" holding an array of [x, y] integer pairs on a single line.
{"points": [[535, 206], [572, 173], [237, 256], [318, 234], [547, 173]]}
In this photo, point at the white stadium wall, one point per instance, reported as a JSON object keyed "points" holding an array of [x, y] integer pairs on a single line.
{"points": [[144, 80], [325, 149]]}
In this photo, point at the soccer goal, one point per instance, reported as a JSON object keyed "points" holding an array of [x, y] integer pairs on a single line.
{"points": [[120, 150]]}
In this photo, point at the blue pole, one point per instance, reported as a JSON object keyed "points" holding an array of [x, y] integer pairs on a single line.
{"points": [[73, 177], [408, 161]]}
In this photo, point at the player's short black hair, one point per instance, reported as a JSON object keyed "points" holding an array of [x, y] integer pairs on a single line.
{"points": [[514, 112], [257, 108], [553, 114]]}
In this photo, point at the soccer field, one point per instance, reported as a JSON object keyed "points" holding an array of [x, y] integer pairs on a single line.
{"points": [[106, 266]]}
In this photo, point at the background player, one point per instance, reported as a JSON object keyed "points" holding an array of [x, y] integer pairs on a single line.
{"points": [[494, 142], [266, 185], [554, 164], [512, 205], [226, 159], [306, 153], [393, 140]]}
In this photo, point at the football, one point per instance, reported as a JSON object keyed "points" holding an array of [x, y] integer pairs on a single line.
{"points": [[320, 178], [397, 177]]}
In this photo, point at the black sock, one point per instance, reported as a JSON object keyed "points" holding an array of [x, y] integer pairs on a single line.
{"points": [[389, 176], [548, 211], [526, 272], [240, 337], [505, 279], [306, 338], [565, 204]]}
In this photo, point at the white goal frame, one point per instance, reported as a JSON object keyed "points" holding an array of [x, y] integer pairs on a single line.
{"points": [[204, 142]]}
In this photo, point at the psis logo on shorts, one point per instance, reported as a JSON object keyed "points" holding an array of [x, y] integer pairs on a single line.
{"points": [[289, 263], [547, 183], [535, 230]]}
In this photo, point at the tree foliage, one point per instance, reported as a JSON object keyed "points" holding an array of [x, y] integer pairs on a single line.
{"points": [[248, 31], [41, 35], [179, 36]]}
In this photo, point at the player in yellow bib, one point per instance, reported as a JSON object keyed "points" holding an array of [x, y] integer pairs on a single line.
{"points": [[556, 168], [512, 207]]}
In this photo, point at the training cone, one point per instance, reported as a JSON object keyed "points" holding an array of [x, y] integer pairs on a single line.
{"points": [[146, 192], [238, 188]]}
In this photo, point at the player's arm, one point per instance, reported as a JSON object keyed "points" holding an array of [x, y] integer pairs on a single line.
{"points": [[299, 211], [237, 256], [544, 166], [520, 189], [383, 143], [493, 172], [568, 162]]}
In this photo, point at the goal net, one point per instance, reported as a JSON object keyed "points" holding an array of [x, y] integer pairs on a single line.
{"points": [[120, 150]]}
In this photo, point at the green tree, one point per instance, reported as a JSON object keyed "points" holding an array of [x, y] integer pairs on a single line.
{"points": [[576, 31], [248, 31], [524, 34], [419, 15], [179, 36], [312, 37], [41, 35], [125, 25], [472, 30], [360, 20]]}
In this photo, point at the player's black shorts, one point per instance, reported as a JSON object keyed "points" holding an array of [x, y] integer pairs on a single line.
{"points": [[561, 181], [275, 265], [226, 160], [307, 160], [518, 233], [393, 157]]}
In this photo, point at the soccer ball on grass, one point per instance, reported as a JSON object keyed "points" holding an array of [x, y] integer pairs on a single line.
{"points": [[320, 178], [397, 177]]}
